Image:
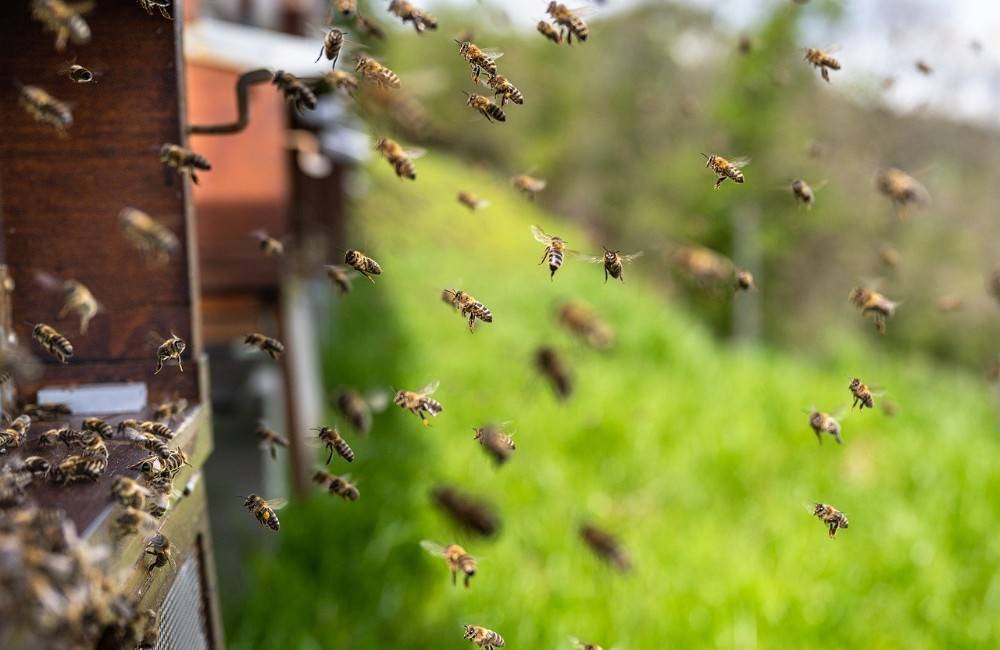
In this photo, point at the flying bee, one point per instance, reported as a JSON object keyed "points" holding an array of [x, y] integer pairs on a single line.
{"points": [[614, 262], [363, 264], [333, 42], [183, 160], [264, 510], [341, 80], [153, 239], [568, 21], [400, 159], [822, 60], [65, 19], [923, 67], [408, 13], [889, 256], [550, 363], [528, 185], [357, 408], [270, 440], [160, 548], [162, 5], [130, 493], [340, 276], [345, 8], [419, 402], [744, 280], [472, 201], [581, 320], [132, 521], [373, 71], [902, 189], [497, 443], [334, 442], [167, 410], [369, 27], [466, 511], [803, 192], [874, 304], [725, 169], [272, 346], [486, 107], [703, 265], [458, 560], [745, 44], [78, 467], [484, 638], [862, 394], [824, 423], [79, 299], [78, 74], [52, 342], [479, 60], [833, 518], [505, 90], [46, 109], [269, 246], [343, 488], [606, 546], [546, 29], [555, 249], [295, 91], [170, 350], [468, 306], [322, 478]]}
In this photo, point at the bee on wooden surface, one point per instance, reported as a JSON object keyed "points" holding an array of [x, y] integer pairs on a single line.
{"points": [[160, 548], [505, 90], [419, 402], [270, 440], [408, 13], [862, 394], [458, 560], [78, 74], [824, 423], [371, 70], [822, 60], [272, 346], [183, 160], [480, 60], [343, 488], [65, 19], [333, 42], [606, 546], [363, 264], [468, 306], [133, 521], [345, 8], [78, 467], [167, 410], [340, 276], [46, 410], [264, 511], [357, 408], [949, 304], [98, 426], [160, 503], [11, 438], [580, 319], [889, 256], [614, 262], [173, 462], [546, 29], [153, 239], [744, 280], [400, 159], [368, 27], [330, 438], [154, 445], [295, 91], [466, 511], [555, 249], [902, 189], [568, 21], [483, 637], [169, 351], [833, 518], [341, 80], [162, 5], [497, 443], [528, 185], [551, 364], [157, 429], [52, 437], [52, 342], [12, 487], [130, 493], [923, 67], [874, 304], [37, 466], [46, 109], [486, 107], [724, 168], [472, 201]]}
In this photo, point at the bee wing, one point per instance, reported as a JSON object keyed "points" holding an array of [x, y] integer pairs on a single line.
{"points": [[415, 153], [633, 256], [742, 161], [48, 280], [593, 259], [432, 547], [276, 504], [429, 388], [540, 235], [492, 52], [154, 338], [260, 234], [840, 413]]}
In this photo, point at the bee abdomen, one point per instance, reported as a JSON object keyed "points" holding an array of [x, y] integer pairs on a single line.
{"points": [[405, 168], [496, 113], [555, 260], [344, 450], [432, 405]]}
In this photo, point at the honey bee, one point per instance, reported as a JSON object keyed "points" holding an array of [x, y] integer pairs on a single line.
{"points": [[98, 426], [363, 264], [132, 521], [65, 19], [173, 462], [889, 256], [183, 160], [497, 443], [79, 299], [333, 42], [581, 320], [874, 304], [606, 546], [46, 410], [343, 488], [46, 109], [468, 306], [471, 201], [78, 74], [486, 107], [341, 80], [373, 71], [551, 364], [568, 21], [12, 437], [923, 67], [330, 437], [824, 423], [12, 487], [949, 304], [369, 27], [555, 249], [52, 437], [322, 478], [484, 638], [458, 560], [822, 60], [408, 13], [505, 90], [419, 402], [340, 276], [52, 342], [295, 92], [580, 645], [162, 5], [357, 408], [270, 440], [725, 169], [832, 517], [272, 346], [167, 410], [264, 510], [614, 262], [153, 239], [160, 548], [170, 350], [468, 512], [157, 428], [130, 493], [744, 280], [862, 394], [78, 467], [705, 266], [529, 186], [400, 159], [479, 60], [346, 8], [37, 466], [803, 192], [902, 189], [546, 29]]}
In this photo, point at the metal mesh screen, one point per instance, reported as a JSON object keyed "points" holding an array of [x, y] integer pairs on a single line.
{"points": [[182, 617]]}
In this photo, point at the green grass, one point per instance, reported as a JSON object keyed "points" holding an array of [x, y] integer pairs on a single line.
{"points": [[696, 452]]}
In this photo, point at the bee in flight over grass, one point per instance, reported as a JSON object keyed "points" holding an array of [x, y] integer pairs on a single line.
{"points": [[724, 168], [825, 423], [264, 510], [459, 561], [419, 402], [555, 249], [833, 518], [614, 262], [874, 304], [823, 60]]}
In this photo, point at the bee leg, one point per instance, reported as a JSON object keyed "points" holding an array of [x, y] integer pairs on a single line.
{"points": [[545, 254], [330, 457], [194, 177], [274, 453], [180, 363], [605, 276], [159, 366], [719, 181], [321, 50], [819, 438], [453, 577], [467, 579]]}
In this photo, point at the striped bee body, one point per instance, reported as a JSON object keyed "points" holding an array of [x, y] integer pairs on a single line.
{"points": [[555, 256], [272, 346], [98, 426], [170, 350], [335, 443], [344, 489], [363, 264], [78, 468], [53, 342], [505, 90]]}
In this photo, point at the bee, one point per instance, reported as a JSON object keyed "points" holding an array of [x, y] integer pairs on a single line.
{"points": [[948, 304], [744, 44], [555, 249], [606, 546], [923, 67], [270, 440], [341, 80], [158, 429], [295, 92], [357, 409], [346, 8], [419, 402], [546, 29], [744, 280], [505, 90], [486, 107], [551, 364], [52, 342], [160, 548], [458, 560], [822, 60], [373, 71], [154, 445], [330, 437], [65, 19], [704, 266], [183, 160], [79, 299], [614, 263], [35, 465], [322, 478], [46, 410], [725, 169], [484, 638], [272, 346], [98, 426], [400, 159], [363, 264], [170, 350], [52, 437], [902, 189], [496, 442], [528, 185], [581, 320], [12, 487], [471, 201], [167, 410], [369, 27], [11, 438], [343, 488], [132, 521], [889, 256], [340, 276], [466, 511], [78, 74], [803, 192], [153, 239], [130, 493], [862, 394], [832, 517], [479, 60], [468, 306], [264, 510], [333, 42], [46, 109], [568, 21], [408, 13], [162, 5], [874, 304], [173, 462], [78, 468], [824, 423], [580, 645]]}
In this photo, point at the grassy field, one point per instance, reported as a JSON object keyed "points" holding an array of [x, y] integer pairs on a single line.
{"points": [[695, 452]]}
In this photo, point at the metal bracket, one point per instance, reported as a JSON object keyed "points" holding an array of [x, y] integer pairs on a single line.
{"points": [[262, 75]]}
